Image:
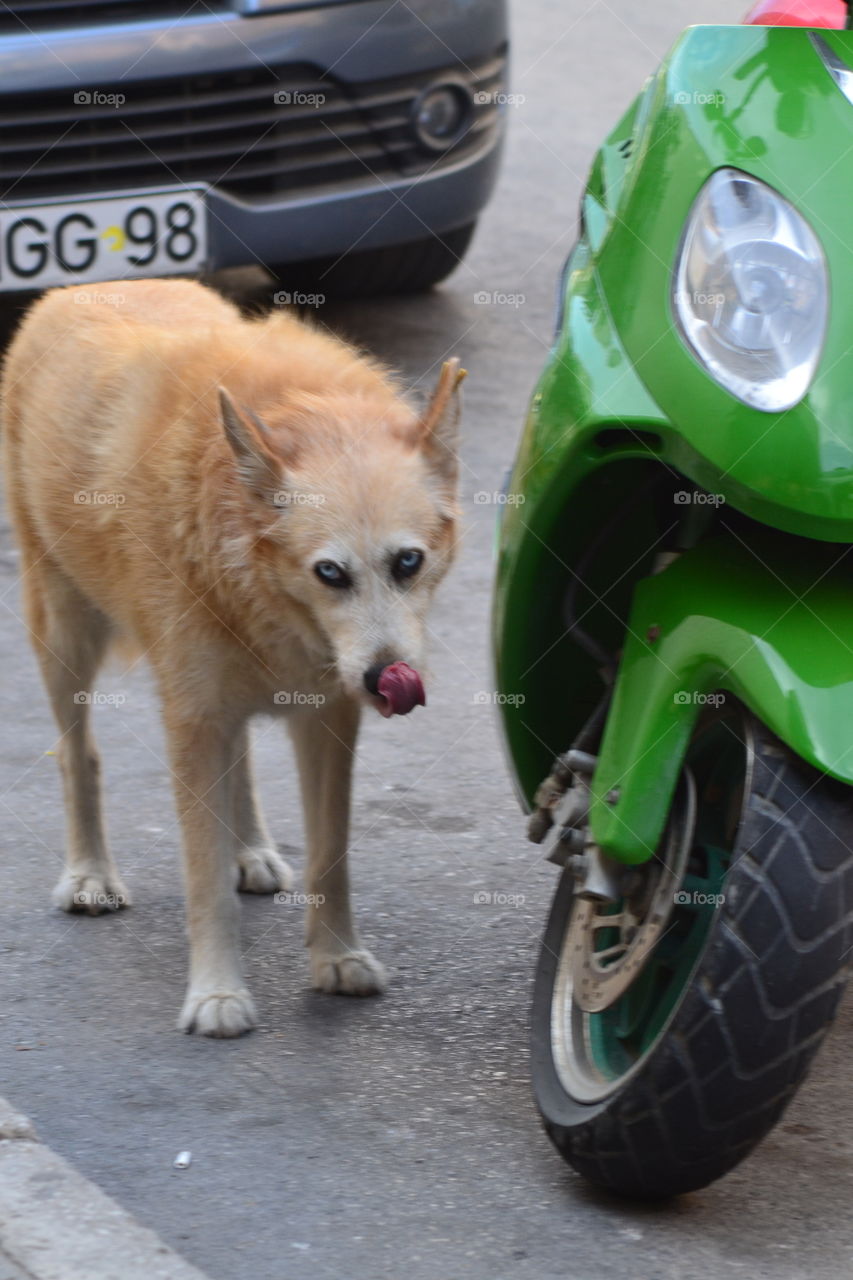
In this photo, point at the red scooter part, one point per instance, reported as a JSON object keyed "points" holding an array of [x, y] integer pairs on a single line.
{"points": [[798, 13]]}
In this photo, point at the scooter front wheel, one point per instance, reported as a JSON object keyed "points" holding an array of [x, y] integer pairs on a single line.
{"points": [[671, 1028]]}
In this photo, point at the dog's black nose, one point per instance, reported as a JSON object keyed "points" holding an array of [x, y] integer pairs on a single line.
{"points": [[371, 677]]}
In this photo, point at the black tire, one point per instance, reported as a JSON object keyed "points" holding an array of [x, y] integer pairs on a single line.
{"points": [[754, 1009], [400, 268]]}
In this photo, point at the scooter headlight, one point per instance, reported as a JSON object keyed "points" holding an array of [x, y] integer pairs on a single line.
{"points": [[751, 294]]}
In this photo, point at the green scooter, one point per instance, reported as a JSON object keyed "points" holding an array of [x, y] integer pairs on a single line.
{"points": [[673, 616]]}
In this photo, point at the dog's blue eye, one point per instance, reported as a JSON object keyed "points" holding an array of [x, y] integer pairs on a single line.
{"points": [[406, 564], [332, 574]]}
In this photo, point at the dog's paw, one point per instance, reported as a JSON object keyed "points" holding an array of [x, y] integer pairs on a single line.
{"points": [[92, 893], [350, 973], [218, 1013], [263, 871]]}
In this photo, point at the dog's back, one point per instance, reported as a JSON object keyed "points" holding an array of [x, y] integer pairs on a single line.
{"points": [[90, 359], [89, 362], [111, 421]]}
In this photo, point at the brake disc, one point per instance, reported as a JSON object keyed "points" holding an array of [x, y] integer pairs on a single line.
{"points": [[608, 944]]}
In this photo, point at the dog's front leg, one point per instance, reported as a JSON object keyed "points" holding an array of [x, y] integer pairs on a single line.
{"points": [[202, 751], [324, 738]]}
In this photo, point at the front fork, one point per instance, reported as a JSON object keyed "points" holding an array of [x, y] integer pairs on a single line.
{"points": [[767, 623]]}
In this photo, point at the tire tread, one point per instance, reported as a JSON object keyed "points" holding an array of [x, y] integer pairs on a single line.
{"points": [[712, 1090]]}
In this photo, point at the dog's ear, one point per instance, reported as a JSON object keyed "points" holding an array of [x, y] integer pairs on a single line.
{"points": [[257, 467], [439, 427]]}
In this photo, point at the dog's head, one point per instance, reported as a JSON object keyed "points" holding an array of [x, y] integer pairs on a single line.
{"points": [[356, 497]]}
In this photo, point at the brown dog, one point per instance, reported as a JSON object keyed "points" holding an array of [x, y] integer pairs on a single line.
{"points": [[270, 548]]}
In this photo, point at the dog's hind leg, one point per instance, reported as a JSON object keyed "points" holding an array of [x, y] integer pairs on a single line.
{"points": [[262, 868], [324, 738], [70, 636]]}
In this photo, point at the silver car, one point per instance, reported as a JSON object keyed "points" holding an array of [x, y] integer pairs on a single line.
{"points": [[351, 142]]}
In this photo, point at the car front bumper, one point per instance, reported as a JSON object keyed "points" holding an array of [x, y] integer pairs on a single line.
{"points": [[367, 217], [361, 46]]}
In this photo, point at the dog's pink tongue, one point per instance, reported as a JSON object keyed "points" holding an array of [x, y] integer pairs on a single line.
{"points": [[401, 688]]}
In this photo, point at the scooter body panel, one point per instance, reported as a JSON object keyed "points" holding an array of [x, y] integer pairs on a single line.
{"points": [[621, 396], [769, 624], [762, 100]]}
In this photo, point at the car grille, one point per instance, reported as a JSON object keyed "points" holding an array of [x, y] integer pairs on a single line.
{"points": [[20, 16], [228, 130]]}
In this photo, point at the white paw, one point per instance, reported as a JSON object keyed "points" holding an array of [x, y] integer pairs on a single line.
{"points": [[350, 973], [263, 871], [218, 1013], [92, 893]]}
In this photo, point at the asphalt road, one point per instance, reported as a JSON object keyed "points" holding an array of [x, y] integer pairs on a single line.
{"points": [[350, 1139]]}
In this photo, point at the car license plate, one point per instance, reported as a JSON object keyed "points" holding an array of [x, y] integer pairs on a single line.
{"points": [[102, 238]]}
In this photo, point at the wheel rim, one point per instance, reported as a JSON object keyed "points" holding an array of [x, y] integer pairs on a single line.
{"points": [[618, 986]]}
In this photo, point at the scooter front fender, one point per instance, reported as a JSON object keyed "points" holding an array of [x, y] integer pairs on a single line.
{"points": [[770, 623]]}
